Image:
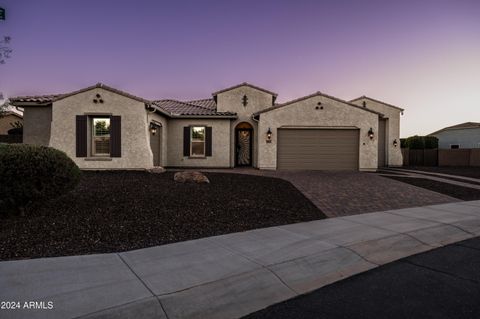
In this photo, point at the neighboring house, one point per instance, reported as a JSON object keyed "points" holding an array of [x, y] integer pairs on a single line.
{"points": [[465, 135], [8, 121], [100, 127]]}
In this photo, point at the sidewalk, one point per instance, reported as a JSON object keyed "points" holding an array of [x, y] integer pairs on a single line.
{"points": [[231, 275]]}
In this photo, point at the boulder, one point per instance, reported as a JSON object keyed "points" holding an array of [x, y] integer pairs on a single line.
{"points": [[156, 170], [190, 177]]}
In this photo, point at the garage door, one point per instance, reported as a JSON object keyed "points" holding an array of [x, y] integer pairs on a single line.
{"points": [[318, 149]]}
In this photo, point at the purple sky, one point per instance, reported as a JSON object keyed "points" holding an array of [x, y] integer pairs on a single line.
{"points": [[421, 55]]}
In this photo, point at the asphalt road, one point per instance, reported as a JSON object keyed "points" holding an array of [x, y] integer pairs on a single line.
{"points": [[442, 283]]}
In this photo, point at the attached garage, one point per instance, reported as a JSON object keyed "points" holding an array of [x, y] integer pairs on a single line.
{"points": [[318, 148]]}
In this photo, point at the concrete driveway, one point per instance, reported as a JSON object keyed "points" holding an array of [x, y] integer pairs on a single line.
{"points": [[349, 193]]}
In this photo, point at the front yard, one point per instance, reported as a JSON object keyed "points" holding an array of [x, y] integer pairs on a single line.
{"points": [[113, 211]]}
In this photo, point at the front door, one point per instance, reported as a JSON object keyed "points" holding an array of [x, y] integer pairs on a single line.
{"points": [[243, 147]]}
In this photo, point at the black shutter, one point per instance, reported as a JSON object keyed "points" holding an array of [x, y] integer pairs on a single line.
{"points": [[81, 136], [208, 141], [186, 141], [115, 136]]}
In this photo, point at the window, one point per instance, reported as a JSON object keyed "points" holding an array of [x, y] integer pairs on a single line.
{"points": [[101, 136], [197, 141], [454, 146]]}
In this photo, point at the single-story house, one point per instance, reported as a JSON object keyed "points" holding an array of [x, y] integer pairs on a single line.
{"points": [[464, 135], [100, 127], [10, 120]]}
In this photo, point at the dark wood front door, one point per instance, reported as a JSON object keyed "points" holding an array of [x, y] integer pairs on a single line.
{"points": [[243, 147]]}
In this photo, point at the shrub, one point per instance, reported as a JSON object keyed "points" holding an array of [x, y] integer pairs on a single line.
{"points": [[421, 142], [415, 142], [33, 173], [431, 142], [403, 142]]}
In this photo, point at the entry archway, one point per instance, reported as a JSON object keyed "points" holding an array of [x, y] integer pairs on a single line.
{"points": [[243, 144]]}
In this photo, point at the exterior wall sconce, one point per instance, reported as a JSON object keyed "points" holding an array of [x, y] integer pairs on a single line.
{"points": [[370, 133], [395, 143], [269, 136], [153, 129]]}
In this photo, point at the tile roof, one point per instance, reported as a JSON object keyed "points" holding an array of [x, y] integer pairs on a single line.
{"points": [[245, 84], [318, 93], [179, 108], [378, 101], [466, 125], [205, 107], [207, 103], [35, 98]]}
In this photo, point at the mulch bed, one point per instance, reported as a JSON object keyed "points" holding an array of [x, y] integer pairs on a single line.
{"points": [[460, 192], [455, 170], [112, 211]]}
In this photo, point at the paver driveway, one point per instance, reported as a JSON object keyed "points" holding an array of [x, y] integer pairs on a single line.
{"points": [[348, 193]]}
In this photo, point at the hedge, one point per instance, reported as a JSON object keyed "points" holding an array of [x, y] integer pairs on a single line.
{"points": [[31, 173], [421, 142]]}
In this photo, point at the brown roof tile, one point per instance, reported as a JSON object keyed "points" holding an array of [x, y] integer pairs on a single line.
{"points": [[179, 108]]}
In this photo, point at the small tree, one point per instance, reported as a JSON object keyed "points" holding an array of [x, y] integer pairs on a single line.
{"points": [[5, 49], [421, 142]]}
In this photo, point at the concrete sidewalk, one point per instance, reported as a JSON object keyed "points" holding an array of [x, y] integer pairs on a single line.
{"points": [[231, 275]]}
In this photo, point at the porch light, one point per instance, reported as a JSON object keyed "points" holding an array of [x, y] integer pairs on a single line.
{"points": [[269, 135], [153, 129], [370, 133], [395, 143]]}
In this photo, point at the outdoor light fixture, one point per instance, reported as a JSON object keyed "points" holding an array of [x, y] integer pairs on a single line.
{"points": [[370, 133], [269, 135], [153, 129], [395, 143]]}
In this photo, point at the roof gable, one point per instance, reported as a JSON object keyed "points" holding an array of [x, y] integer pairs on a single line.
{"points": [[318, 93], [466, 125], [47, 99], [364, 97], [245, 84]]}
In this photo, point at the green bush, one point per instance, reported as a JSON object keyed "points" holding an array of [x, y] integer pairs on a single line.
{"points": [[421, 142], [33, 173], [403, 142], [431, 142]]}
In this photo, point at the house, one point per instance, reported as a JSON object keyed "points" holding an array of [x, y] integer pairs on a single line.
{"points": [[10, 120], [101, 127], [464, 135]]}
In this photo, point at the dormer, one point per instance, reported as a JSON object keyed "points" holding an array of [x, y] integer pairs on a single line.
{"points": [[244, 98]]}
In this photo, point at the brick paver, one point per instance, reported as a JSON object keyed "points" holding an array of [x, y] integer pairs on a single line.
{"points": [[349, 193]]}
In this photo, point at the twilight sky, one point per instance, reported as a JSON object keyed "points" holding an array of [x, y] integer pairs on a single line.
{"points": [[423, 55]]}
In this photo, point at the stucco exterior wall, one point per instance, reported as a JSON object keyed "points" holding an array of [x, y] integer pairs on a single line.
{"points": [[304, 113], [394, 154], [7, 120], [465, 138], [220, 143], [231, 101], [37, 125], [155, 117], [136, 153]]}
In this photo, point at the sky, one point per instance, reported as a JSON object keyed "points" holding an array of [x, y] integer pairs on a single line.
{"points": [[421, 55]]}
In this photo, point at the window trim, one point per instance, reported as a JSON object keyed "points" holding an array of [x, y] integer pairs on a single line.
{"points": [[93, 136], [204, 141]]}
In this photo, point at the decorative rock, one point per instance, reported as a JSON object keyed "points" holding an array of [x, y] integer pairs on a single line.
{"points": [[190, 177], [156, 170]]}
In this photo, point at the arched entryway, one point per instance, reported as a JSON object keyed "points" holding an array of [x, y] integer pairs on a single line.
{"points": [[243, 144]]}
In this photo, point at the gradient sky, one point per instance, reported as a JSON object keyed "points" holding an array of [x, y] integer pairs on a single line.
{"points": [[421, 55]]}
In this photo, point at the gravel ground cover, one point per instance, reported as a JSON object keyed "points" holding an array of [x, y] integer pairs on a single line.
{"points": [[112, 211], [460, 192], [473, 172]]}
